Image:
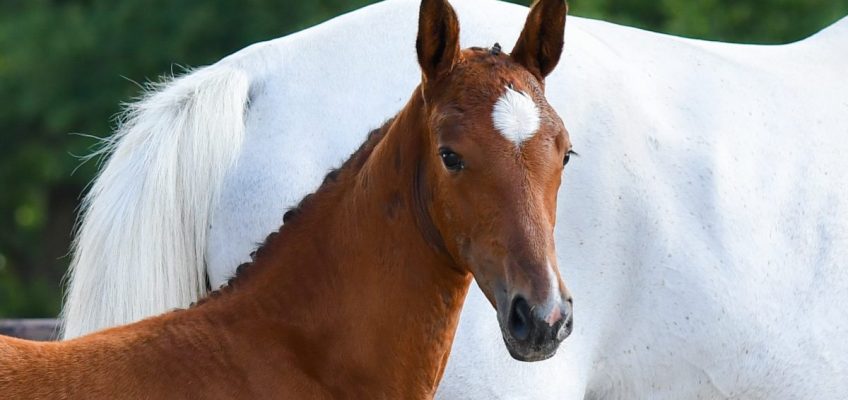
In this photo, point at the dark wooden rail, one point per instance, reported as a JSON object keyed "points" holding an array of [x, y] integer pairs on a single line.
{"points": [[34, 329]]}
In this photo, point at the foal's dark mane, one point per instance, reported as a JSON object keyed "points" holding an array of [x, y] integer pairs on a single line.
{"points": [[353, 164]]}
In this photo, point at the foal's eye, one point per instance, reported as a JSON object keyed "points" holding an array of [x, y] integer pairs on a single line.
{"points": [[452, 161], [567, 157]]}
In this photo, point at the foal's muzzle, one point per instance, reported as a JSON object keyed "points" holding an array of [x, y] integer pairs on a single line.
{"points": [[534, 333]]}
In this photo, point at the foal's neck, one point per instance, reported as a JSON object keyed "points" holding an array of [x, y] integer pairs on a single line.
{"points": [[356, 285]]}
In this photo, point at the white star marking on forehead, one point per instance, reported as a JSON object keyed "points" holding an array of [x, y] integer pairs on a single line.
{"points": [[516, 116]]}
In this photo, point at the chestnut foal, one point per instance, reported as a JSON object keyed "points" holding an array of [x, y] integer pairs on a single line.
{"points": [[359, 294]]}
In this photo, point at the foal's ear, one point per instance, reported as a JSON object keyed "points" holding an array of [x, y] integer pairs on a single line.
{"points": [[438, 38], [540, 44]]}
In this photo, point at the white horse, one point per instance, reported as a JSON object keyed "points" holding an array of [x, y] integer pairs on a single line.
{"points": [[703, 230]]}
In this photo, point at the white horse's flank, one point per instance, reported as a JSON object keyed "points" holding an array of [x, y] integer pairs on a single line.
{"points": [[703, 230]]}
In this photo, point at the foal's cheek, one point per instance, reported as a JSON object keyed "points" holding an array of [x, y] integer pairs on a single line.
{"points": [[552, 198]]}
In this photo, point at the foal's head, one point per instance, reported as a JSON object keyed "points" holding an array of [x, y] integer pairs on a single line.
{"points": [[496, 155]]}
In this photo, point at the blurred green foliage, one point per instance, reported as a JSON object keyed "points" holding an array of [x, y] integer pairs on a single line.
{"points": [[66, 66], [746, 21]]}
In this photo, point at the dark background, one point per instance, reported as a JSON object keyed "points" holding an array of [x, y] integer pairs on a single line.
{"points": [[66, 66]]}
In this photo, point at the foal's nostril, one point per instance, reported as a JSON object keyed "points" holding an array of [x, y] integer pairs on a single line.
{"points": [[519, 319]]}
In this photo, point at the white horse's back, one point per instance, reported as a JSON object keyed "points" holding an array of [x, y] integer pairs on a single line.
{"points": [[713, 174], [702, 229]]}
